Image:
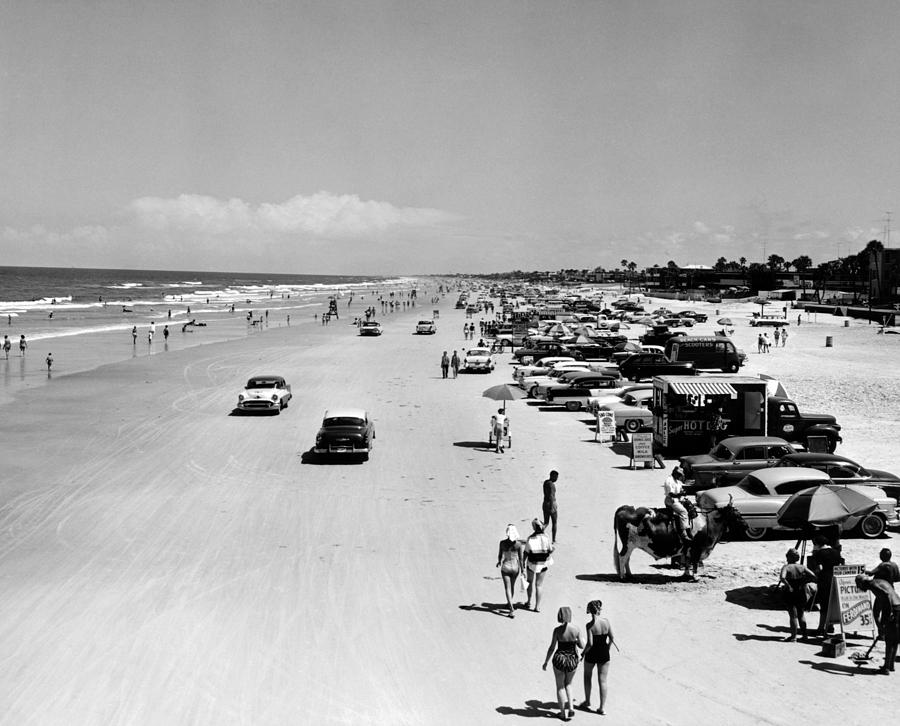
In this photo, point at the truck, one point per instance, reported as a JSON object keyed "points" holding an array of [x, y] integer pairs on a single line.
{"points": [[692, 414]]}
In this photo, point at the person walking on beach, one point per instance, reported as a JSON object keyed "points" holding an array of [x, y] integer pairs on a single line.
{"points": [[793, 579], [6, 346], [134, 335], [166, 333], [454, 363], [759, 343], [596, 653], [538, 549], [777, 336], [22, 345], [887, 604], [566, 641], [49, 362], [511, 561], [152, 328], [549, 506], [445, 364], [784, 337]]}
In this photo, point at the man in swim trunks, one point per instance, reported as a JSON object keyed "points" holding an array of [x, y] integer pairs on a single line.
{"points": [[549, 504]]}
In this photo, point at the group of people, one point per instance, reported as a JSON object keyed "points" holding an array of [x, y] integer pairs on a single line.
{"points": [[449, 363], [803, 586], [7, 345], [764, 345], [531, 559]]}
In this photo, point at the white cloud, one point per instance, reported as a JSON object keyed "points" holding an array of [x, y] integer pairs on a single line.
{"points": [[322, 215]]}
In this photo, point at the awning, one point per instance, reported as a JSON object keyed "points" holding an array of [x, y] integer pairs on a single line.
{"points": [[708, 388]]}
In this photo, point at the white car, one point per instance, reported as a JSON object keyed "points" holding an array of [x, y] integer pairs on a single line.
{"points": [[370, 328], [540, 369], [632, 410], [264, 393], [477, 360], [426, 327], [616, 395]]}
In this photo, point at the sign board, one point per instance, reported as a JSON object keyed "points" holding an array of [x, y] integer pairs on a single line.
{"points": [[848, 604], [606, 425], [641, 448]]}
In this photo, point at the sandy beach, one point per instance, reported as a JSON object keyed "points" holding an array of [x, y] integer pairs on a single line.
{"points": [[165, 562]]}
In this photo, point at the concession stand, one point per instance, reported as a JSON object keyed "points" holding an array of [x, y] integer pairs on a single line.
{"points": [[693, 413]]}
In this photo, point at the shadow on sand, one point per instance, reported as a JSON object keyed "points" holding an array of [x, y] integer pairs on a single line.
{"points": [[311, 457], [532, 709], [839, 669], [763, 597], [495, 608], [477, 445]]}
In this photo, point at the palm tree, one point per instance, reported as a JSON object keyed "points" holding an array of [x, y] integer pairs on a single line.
{"points": [[874, 250]]}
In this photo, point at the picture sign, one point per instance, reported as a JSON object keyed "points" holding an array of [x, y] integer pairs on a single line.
{"points": [[854, 605]]}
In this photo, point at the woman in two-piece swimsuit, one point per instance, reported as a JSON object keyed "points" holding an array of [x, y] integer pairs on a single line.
{"points": [[566, 640], [510, 560], [596, 653]]}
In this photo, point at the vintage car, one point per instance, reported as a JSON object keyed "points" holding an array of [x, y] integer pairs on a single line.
{"points": [[759, 496], [632, 412], [559, 373], [577, 391], [732, 459], [426, 327], [539, 369], [770, 321], [640, 366], [477, 360], [370, 327], [345, 431], [573, 375], [845, 471], [602, 398], [264, 393]]}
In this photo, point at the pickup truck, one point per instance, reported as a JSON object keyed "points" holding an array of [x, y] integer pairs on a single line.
{"points": [[786, 420], [640, 366]]}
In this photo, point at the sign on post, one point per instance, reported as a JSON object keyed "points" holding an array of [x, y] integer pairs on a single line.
{"points": [[606, 425], [641, 448], [848, 604]]}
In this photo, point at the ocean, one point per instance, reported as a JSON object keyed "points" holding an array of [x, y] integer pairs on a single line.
{"points": [[85, 317]]}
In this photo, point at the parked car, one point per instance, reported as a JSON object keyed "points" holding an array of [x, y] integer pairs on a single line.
{"points": [[539, 369], [426, 327], [264, 393], [574, 394], [345, 431], [640, 366], [615, 395], [759, 496], [732, 459], [632, 412], [370, 327], [477, 360], [845, 471]]}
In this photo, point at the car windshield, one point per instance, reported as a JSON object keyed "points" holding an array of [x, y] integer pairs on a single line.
{"points": [[343, 421], [478, 351], [722, 453], [263, 383]]}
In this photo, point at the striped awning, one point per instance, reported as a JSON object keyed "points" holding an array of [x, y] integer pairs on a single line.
{"points": [[705, 388]]}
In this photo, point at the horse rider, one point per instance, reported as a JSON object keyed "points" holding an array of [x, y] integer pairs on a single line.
{"points": [[674, 489]]}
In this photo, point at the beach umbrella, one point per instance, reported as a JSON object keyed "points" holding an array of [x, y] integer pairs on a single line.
{"points": [[724, 321], [504, 392], [824, 504]]}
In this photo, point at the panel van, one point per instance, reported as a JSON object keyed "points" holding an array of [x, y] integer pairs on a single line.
{"points": [[704, 351]]}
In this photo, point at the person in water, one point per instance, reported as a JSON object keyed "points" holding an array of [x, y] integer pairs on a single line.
{"points": [[596, 653], [566, 641]]}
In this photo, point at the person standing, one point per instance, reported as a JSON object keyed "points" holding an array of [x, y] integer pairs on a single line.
{"points": [[538, 550], [549, 506], [793, 578], [7, 344], [166, 333], [566, 641], [887, 604], [596, 653], [499, 429], [454, 363], [22, 345], [49, 362], [152, 328], [784, 337], [823, 561], [777, 336], [445, 364], [886, 569], [134, 335], [511, 561]]}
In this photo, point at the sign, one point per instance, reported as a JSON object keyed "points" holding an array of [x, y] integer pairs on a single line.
{"points": [[847, 603], [606, 424], [641, 448]]}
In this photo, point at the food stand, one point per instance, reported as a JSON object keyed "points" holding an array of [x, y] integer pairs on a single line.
{"points": [[693, 413]]}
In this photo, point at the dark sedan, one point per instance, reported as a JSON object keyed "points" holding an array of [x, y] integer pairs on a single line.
{"points": [[345, 432], [732, 459], [845, 471]]}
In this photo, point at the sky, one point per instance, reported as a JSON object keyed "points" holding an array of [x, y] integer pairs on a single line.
{"points": [[416, 137]]}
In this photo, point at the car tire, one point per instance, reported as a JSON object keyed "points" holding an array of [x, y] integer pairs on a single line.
{"points": [[532, 393], [733, 368], [755, 533], [573, 406], [632, 425], [871, 526]]}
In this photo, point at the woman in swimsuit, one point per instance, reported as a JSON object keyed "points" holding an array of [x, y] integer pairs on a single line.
{"points": [[596, 653], [511, 561], [567, 640]]}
